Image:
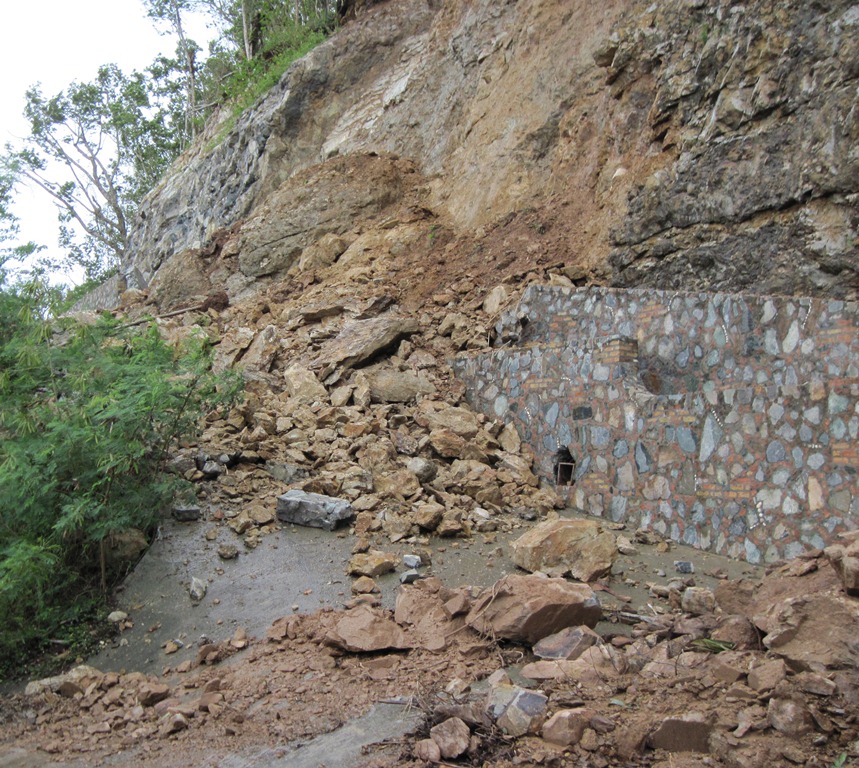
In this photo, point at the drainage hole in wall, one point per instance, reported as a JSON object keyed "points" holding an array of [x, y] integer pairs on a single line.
{"points": [[565, 467]]}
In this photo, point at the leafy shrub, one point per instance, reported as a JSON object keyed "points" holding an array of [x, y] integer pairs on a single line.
{"points": [[88, 414]]}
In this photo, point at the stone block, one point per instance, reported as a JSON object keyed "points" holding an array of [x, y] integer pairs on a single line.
{"points": [[313, 510]]}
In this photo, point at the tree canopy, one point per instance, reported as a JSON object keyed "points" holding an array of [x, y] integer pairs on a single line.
{"points": [[96, 148]]}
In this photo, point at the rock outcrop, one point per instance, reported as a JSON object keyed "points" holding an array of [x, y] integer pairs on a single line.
{"points": [[685, 145]]}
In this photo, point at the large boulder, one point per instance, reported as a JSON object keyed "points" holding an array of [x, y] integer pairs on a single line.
{"points": [[366, 630], [436, 415], [313, 509], [528, 608], [578, 547], [363, 339], [390, 386]]}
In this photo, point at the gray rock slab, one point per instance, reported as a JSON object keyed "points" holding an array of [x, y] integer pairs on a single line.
{"points": [[343, 747], [313, 509]]}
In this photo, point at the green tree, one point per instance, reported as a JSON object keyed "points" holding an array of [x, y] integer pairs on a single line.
{"points": [[88, 415], [172, 13], [95, 149]]}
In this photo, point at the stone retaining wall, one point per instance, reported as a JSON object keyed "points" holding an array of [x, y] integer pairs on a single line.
{"points": [[726, 422]]}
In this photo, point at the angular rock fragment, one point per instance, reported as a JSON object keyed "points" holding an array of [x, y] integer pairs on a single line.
{"points": [[566, 727], [428, 751], [580, 547], [186, 513], [452, 737], [362, 339], [365, 630], [766, 676], [389, 386], [149, 694], [313, 509], [569, 643], [197, 589], [441, 416], [698, 600], [371, 564], [686, 733], [424, 469], [428, 516], [844, 558], [529, 608], [517, 711], [303, 385], [789, 716], [596, 664]]}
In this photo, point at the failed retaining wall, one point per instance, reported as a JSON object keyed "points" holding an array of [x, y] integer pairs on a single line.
{"points": [[727, 422]]}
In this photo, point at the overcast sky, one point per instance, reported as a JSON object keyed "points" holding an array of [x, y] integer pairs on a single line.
{"points": [[54, 42]]}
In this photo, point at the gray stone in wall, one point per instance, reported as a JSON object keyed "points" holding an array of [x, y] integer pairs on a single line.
{"points": [[776, 452], [643, 459], [710, 439], [686, 440]]}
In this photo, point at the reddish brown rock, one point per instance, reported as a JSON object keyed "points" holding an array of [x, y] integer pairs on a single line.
{"points": [[579, 547], [844, 558], [173, 724], [428, 751], [698, 600], [767, 675], [567, 726], [362, 339], [569, 643], [452, 737], [364, 630], [150, 694], [789, 716], [529, 608], [596, 664], [372, 564], [737, 630], [687, 733]]}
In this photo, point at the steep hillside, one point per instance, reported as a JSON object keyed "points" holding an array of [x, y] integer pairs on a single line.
{"points": [[683, 145], [374, 215]]}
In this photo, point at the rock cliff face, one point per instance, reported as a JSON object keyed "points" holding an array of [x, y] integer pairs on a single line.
{"points": [[689, 144]]}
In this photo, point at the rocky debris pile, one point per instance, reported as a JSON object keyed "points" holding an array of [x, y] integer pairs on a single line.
{"points": [[91, 707], [349, 398], [767, 676], [729, 686]]}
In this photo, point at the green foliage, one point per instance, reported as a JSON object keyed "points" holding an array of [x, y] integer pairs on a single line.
{"points": [[253, 78], [87, 417], [95, 149]]}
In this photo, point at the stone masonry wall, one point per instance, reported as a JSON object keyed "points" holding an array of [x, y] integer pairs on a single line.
{"points": [[727, 422]]}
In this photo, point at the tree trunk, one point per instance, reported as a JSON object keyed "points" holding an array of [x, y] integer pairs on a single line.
{"points": [[246, 31], [191, 71]]}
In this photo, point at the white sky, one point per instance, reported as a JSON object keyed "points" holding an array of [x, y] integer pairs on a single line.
{"points": [[54, 42]]}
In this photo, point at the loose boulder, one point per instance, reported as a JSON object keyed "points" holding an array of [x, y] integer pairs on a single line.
{"points": [[528, 608], [569, 643], [366, 630], [579, 547], [313, 510], [363, 339], [452, 737]]}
